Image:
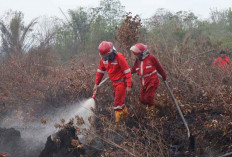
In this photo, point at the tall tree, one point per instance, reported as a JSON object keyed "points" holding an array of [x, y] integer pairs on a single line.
{"points": [[72, 35], [79, 23], [46, 30], [110, 12], [15, 35], [104, 20]]}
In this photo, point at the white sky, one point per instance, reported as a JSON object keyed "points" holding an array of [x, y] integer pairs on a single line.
{"points": [[145, 8]]}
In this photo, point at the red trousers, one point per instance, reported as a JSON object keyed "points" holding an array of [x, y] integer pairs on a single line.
{"points": [[147, 94], [119, 95]]}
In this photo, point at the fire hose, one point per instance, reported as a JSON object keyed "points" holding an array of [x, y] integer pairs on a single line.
{"points": [[94, 95], [190, 137]]}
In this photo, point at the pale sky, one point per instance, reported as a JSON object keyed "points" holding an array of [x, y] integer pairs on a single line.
{"points": [[145, 8]]}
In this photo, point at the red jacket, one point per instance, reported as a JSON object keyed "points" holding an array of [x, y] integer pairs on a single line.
{"points": [[117, 69], [221, 62], [147, 69]]}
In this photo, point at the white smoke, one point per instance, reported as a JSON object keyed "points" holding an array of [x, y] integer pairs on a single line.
{"points": [[37, 133]]}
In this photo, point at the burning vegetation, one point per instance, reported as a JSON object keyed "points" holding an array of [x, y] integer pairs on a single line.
{"points": [[61, 70]]}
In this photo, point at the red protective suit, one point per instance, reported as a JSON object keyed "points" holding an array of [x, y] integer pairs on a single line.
{"points": [[120, 75], [147, 70], [221, 62]]}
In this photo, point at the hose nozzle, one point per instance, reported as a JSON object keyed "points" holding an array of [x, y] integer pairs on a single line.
{"points": [[94, 96]]}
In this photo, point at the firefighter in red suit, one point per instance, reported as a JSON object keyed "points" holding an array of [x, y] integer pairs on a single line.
{"points": [[147, 66], [119, 73], [222, 61]]}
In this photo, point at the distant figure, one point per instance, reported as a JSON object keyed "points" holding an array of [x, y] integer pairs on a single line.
{"points": [[222, 61]]}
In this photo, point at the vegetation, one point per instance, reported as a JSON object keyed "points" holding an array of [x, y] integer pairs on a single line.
{"points": [[51, 62]]}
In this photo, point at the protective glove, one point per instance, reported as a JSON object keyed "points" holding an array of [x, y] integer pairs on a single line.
{"points": [[128, 90], [94, 91]]}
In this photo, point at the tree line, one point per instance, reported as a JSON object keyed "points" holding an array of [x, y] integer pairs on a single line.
{"points": [[82, 29]]}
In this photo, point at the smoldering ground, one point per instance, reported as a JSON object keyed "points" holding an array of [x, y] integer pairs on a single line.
{"points": [[19, 138]]}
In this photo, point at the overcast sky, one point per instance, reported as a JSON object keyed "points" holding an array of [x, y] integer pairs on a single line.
{"points": [[145, 8]]}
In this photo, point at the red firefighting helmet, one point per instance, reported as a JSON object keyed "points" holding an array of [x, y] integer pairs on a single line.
{"points": [[105, 48], [138, 48]]}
